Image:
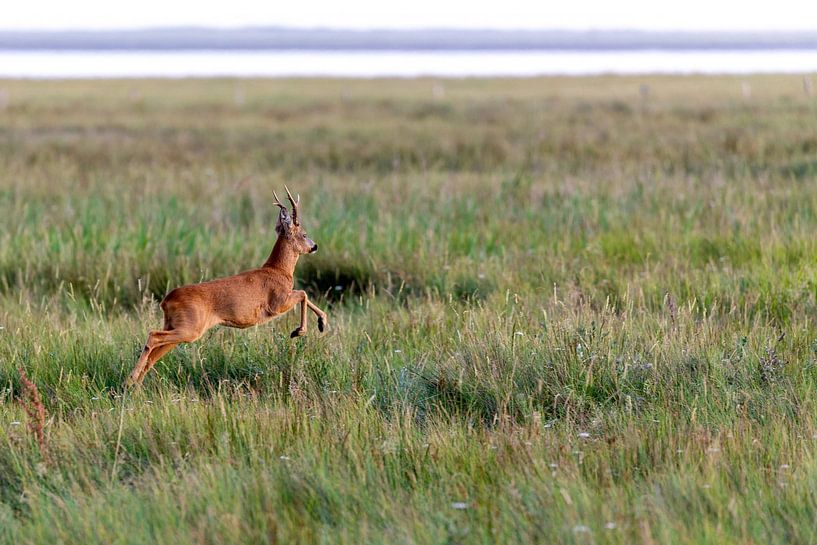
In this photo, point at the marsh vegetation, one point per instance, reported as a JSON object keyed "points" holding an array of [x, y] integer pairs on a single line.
{"points": [[562, 310]]}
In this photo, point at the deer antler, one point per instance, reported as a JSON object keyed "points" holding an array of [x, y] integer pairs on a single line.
{"points": [[277, 201], [295, 203]]}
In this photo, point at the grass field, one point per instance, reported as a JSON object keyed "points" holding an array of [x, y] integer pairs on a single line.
{"points": [[561, 311]]}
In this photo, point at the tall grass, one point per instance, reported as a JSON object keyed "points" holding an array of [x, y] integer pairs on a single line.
{"points": [[561, 310]]}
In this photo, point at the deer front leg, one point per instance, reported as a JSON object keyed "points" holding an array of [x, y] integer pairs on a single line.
{"points": [[319, 313], [299, 296]]}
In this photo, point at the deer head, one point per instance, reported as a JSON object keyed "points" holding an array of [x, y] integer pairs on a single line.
{"points": [[289, 226]]}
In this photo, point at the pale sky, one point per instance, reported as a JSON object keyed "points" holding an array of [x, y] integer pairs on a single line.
{"points": [[359, 14]]}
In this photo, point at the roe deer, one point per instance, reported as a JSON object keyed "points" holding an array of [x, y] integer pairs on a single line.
{"points": [[244, 300]]}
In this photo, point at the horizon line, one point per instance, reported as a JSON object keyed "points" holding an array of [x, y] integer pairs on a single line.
{"points": [[441, 28]]}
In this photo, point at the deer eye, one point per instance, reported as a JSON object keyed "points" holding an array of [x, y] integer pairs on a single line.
{"points": [[303, 235]]}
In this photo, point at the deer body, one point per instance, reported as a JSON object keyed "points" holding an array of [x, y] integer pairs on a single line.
{"points": [[243, 300]]}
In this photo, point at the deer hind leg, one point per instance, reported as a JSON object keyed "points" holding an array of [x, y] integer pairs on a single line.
{"points": [[158, 344], [155, 355], [136, 373]]}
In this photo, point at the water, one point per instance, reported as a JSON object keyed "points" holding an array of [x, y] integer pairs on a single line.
{"points": [[73, 64]]}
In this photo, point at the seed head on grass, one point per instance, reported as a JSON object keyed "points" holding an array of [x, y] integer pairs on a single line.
{"points": [[770, 365], [671, 306], [35, 410]]}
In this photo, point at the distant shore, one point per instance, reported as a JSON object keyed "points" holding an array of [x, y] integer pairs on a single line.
{"points": [[322, 39], [405, 64]]}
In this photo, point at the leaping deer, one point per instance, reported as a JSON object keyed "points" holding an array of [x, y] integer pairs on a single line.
{"points": [[246, 299]]}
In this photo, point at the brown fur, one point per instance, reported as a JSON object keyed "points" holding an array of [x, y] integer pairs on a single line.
{"points": [[243, 300]]}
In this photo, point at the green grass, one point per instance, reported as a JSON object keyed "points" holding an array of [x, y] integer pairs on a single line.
{"points": [[562, 311]]}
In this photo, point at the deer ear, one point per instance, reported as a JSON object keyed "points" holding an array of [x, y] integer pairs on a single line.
{"points": [[284, 223]]}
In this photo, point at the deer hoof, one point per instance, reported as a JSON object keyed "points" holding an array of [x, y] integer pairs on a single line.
{"points": [[321, 323], [298, 332]]}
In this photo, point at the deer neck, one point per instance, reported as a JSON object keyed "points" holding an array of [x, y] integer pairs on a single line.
{"points": [[283, 257]]}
